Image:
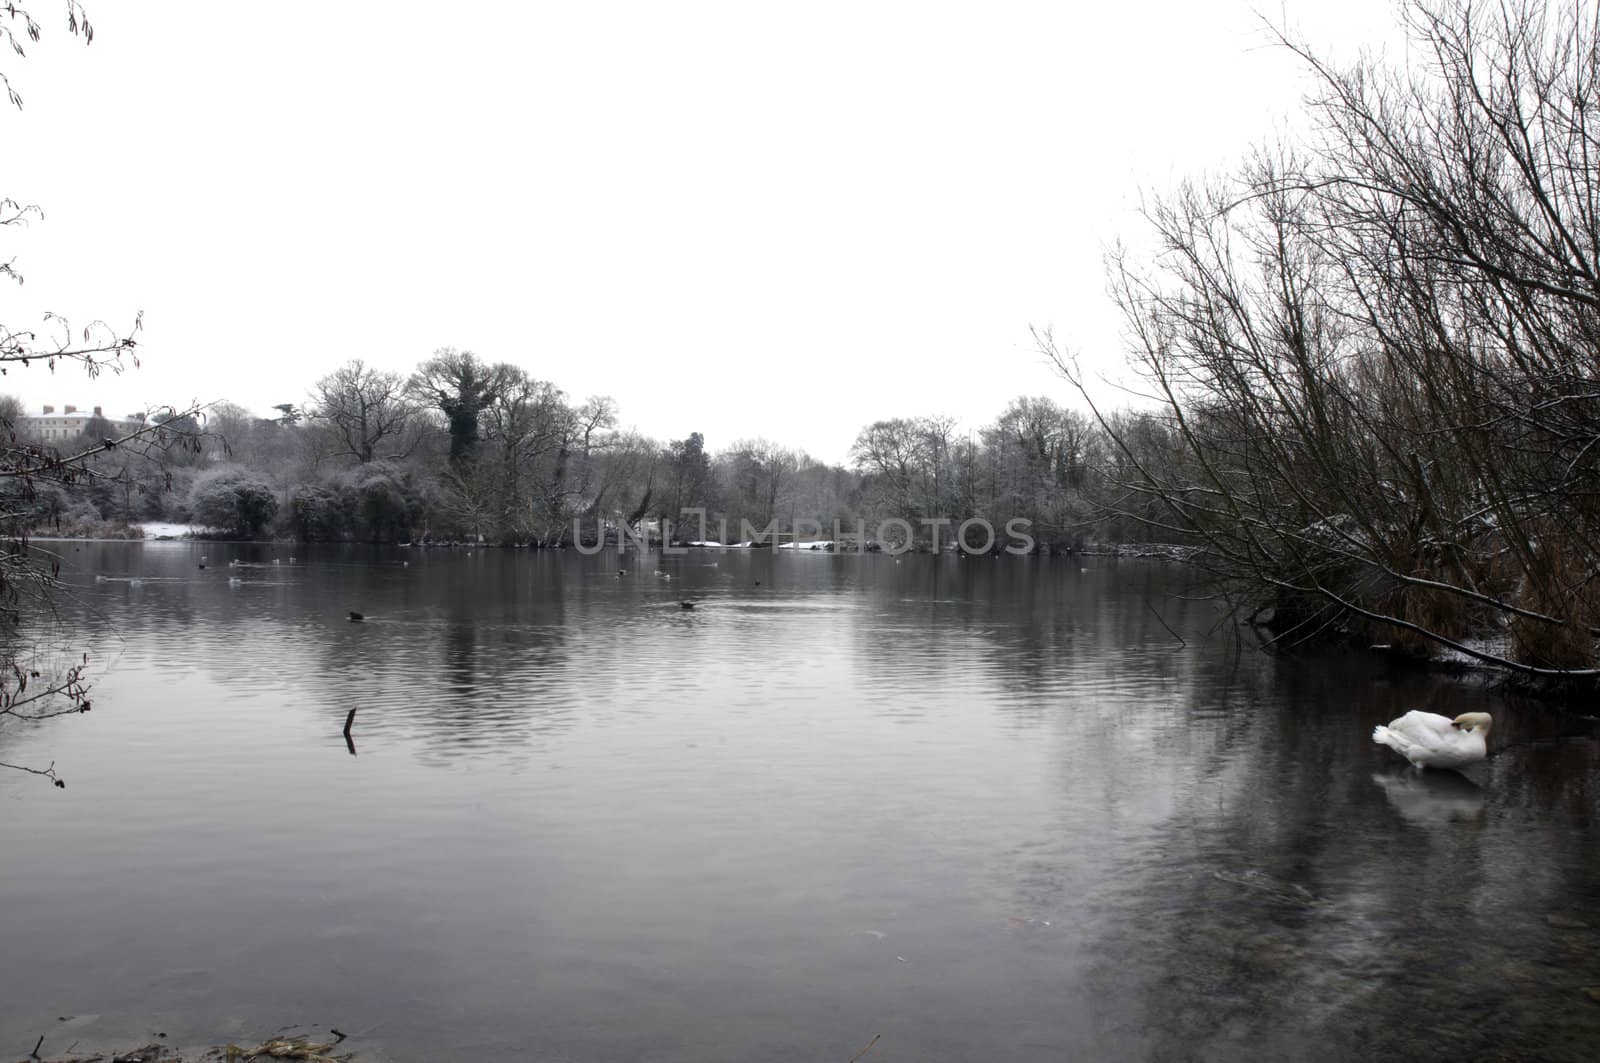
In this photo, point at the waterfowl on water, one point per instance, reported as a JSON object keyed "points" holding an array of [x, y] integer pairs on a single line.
{"points": [[687, 605], [1429, 740], [356, 618]]}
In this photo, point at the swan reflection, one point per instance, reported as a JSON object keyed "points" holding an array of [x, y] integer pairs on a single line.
{"points": [[1432, 798]]}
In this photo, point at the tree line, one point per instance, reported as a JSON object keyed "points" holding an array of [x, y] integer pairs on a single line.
{"points": [[466, 450]]}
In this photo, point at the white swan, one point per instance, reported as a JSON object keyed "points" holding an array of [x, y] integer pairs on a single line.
{"points": [[1429, 740]]}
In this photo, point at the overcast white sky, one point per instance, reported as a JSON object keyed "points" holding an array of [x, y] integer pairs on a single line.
{"points": [[741, 218]]}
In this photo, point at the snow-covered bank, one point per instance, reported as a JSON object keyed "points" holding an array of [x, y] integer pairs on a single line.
{"points": [[157, 529], [1164, 551]]}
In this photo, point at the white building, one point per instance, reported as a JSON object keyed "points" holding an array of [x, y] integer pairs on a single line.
{"points": [[53, 427]]}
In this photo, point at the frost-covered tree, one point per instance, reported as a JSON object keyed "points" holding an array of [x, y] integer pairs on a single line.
{"points": [[234, 501]]}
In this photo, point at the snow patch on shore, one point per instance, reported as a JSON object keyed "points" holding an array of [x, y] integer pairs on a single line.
{"points": [[158, 529]]}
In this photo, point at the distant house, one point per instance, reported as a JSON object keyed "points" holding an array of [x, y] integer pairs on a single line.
{"points": [[53, 427]]}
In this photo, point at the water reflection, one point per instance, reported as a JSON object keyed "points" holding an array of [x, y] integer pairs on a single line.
{"points": [[1433, 800], [988, 809]]}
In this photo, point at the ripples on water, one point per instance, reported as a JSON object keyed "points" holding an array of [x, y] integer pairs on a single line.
{"points": [[988, 809]]}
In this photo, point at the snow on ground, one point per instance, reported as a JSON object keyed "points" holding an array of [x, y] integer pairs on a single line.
{"points": [[1496, 646], [157, 529]]}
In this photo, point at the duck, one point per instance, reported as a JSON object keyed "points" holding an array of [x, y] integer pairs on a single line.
{"points": [[1429, 740], [687, 605], [356, 618]]}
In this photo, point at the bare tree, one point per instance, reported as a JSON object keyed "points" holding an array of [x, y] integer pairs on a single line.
{"points": [[1038, 458], [526, 422], [575, 486], [912, 469], [626, 474], [593, 433], [1377, 349], [367, 411], [758, 475]]}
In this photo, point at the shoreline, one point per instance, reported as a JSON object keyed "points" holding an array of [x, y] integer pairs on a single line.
{"points": [[1155, 551], [291, 1043]]}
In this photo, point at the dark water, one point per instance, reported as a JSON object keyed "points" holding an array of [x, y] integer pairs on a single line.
{"points": [[987, 809]]}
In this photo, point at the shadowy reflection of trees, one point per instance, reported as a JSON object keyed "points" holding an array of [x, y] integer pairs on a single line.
{"points": [[1043, 632], [458, 651], [468, 652], [1289, 906]]}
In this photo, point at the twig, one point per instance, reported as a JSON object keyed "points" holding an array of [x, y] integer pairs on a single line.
{"points": [[348, 722], [37, 1045], [867, 1049], [1164, 624], [48, 773]]}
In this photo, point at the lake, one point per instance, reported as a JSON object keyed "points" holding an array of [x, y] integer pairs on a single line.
{"points": [[997, 809]]}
